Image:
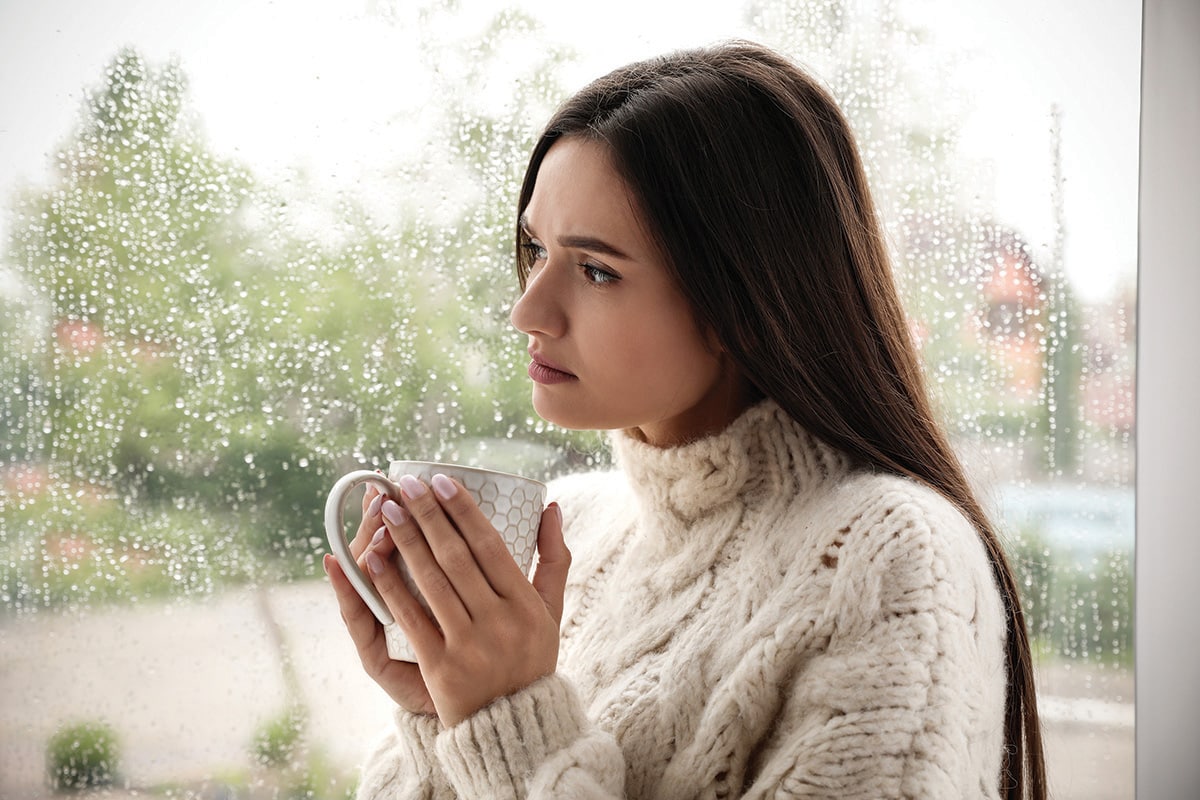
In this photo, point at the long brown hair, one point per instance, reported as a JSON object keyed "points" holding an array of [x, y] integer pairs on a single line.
{"points": [[750, 180]]}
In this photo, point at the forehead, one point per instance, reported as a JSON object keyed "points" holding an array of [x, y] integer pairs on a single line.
{"points": [[578, 185]]}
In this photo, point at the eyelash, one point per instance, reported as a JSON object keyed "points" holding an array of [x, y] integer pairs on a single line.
{"points": [[597, 276], [594, 275], [533, 251]]}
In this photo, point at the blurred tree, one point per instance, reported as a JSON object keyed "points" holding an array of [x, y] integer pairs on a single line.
{"points": [[209, 352], [182, 338], [133, 252], [118, 250]]}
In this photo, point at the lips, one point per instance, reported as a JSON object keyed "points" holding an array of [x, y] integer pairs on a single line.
{"points": [[544, 371]]}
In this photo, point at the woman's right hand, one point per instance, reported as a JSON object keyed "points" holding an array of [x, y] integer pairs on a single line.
{"points": [[400, 679]]}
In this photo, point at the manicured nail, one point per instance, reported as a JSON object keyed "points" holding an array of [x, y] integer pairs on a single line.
{"points": [[374, 562], [411, 486], [393, 513], [325, 562], [443, 486], [379, 534], [373, 509], [557, 513]]}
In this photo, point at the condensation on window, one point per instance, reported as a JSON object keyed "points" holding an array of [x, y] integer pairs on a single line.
{"points": [[194, 345]]}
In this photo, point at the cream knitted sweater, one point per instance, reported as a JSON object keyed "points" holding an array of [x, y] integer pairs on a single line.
{"points": [[746, 616]]}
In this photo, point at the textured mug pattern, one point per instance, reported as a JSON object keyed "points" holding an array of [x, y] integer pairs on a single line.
{"points": [[512, 503]]}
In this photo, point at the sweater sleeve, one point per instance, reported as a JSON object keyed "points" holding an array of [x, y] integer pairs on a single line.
{"points": [[903, 701], [535, 743], [401, 766]]}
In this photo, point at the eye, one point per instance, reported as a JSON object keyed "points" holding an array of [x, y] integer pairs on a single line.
{"points": [[597, 275], [533, 251]]}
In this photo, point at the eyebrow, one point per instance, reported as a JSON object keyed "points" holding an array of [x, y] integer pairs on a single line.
{"points": [[591, 243]]}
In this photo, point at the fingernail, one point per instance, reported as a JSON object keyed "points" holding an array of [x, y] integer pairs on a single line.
{"points": [[443, 486], [325, 562], [411, 486], [557, 513], [393, 513], [373, 509], [378, 537], [374, 563]]}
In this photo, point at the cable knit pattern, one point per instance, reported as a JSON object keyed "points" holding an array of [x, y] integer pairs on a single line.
{"points": [[746, 616]]}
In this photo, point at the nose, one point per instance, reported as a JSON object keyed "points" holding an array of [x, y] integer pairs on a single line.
{"points": [[539, 310]]}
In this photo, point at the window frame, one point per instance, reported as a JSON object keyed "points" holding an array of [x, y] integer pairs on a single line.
{"points": [[1167, 643]]}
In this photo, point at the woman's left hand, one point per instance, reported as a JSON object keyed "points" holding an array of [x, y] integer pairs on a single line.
{"points": [[496, 631]]}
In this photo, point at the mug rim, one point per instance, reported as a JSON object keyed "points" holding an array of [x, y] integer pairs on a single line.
{"points": [[464, 468]]}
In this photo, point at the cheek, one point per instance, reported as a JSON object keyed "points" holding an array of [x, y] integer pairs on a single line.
{"points": [[670, 355]]}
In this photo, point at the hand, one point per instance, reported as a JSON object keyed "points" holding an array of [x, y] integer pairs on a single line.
{"points": [[401, 680], [496, 631]]}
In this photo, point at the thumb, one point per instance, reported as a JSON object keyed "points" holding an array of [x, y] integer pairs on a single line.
{"points": [[554, 560]]}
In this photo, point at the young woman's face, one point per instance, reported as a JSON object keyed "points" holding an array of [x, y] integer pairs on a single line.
{"points": [[613, 341]]}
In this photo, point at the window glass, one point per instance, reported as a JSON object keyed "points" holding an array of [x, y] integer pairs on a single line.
{"points": [[250, 246]]}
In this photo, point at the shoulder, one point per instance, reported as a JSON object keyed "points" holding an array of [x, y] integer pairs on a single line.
{"points": [[894, 546], [884, 514], [912, 632]]}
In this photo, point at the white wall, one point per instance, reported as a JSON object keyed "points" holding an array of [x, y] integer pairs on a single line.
{"points": [[1167, 604]]}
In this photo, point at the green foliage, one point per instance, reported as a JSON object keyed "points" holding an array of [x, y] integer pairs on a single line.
{"points": [[191, 360], [82, 756], [278, 741], [1076, 608], [289, 769], [195, 362]]}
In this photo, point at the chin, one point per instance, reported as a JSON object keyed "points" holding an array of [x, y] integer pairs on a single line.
{"points": [[570, 416], [553, 412]]}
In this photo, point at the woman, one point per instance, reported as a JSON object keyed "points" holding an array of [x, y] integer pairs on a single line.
{"points": [[787, 589]]}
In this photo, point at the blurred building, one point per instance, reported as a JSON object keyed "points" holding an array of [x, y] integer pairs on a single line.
{"points": [[1011, 316]]}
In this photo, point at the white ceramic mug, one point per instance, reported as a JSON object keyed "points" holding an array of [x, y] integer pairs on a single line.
{"points": [[514, 505]]}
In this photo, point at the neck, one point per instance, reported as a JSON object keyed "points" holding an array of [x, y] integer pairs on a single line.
{"points": [[724, 403], [763, 452]]}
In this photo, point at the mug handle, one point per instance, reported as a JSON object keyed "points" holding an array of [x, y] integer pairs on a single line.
{"points": [[335, 531]]}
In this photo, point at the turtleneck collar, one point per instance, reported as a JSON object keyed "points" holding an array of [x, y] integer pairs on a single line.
{"points": [[762, 453]]}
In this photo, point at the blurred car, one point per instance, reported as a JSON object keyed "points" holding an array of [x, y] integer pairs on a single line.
{"points": [[1081, 522]]}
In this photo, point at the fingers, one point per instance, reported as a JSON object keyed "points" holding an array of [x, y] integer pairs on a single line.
{"points": [[456, 559], [489, 553], [364, 630], [480, 641], [380, 544], [412, 537], [373, 498], [554, 561], [400, 680]]}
